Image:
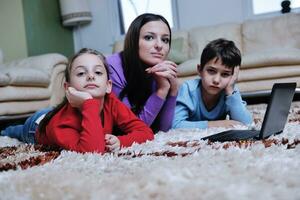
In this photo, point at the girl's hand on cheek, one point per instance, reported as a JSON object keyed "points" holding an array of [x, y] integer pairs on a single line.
{"points": [[230, 87], [112, 143], [76, 98]]}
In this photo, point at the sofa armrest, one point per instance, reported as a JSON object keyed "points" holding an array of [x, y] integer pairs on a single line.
{"points": [[31, 71]]}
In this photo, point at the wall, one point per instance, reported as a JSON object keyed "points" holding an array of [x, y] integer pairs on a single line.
{"points": [[12, 31], [104, 29], [44, 30], [194, 13]]}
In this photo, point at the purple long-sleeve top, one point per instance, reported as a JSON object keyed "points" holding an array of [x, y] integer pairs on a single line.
{"points": [[154, 108]]}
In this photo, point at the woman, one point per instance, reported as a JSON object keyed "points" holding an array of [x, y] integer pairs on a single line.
{"points": [[142, 77]]}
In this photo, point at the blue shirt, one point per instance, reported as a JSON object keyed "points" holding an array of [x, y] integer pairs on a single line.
{"points": [[190, 111]]}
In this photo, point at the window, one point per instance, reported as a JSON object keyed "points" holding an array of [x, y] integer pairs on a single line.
{"points": [[267, 6], [130, 9]]}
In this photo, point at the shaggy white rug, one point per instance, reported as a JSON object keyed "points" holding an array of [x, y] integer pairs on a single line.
{"points": [[189, 169]]}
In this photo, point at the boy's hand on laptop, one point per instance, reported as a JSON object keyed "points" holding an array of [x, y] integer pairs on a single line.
{"points": [[224, 123], [230, 87], [76, 98], [112, 143]]}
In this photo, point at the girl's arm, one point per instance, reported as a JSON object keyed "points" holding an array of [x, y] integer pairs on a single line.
{"points": [[133, 129], [69, 131]]}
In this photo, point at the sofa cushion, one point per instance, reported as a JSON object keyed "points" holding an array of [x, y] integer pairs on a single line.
{"points": [[270, 72], [188, 67], [179, 51], [22, 107], [27, 76], [4, 79], [265, 85], [199, 37], [271, 57], [277, 32], [11, 93]]}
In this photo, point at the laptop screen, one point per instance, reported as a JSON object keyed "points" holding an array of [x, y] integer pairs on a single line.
{"points": [[278, 109]]}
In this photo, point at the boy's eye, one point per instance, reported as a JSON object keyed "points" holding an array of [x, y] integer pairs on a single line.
{"points": [[211, 71], [148, 37], [166, 40], [225, 75]]}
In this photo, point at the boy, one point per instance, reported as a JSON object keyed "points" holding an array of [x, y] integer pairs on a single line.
{"points": [[205, 102]]}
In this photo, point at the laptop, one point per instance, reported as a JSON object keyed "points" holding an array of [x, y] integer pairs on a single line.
{"points": [[274, 120]]}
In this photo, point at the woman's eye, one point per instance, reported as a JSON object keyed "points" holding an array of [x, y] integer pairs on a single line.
{"points": [[166, 40], [148, 37], [98, 73]]}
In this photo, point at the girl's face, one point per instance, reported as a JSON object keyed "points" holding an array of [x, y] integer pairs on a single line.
{"points": [[215, 77], [154, 42], [88, 74]]}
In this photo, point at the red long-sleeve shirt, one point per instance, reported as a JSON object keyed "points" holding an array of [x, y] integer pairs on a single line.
{"points": [[83, 131]]}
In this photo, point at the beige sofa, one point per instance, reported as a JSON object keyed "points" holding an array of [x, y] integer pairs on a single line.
{"points": [[29, 84], [270, 49]]}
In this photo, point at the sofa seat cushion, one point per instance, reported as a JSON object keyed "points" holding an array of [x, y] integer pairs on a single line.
{"points": [[265, 85], [270, 72], [271, 57], [11, 93], [27, 76], [201, 36], [22, 107]]}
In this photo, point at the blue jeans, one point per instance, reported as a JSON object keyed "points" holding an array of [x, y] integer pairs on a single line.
{"points": [[25, 132]]}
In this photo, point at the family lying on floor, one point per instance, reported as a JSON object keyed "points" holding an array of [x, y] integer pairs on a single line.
{"points": [[125, 98]]}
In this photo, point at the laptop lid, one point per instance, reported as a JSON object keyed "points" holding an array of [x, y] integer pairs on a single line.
{"points": [[278, 109]]}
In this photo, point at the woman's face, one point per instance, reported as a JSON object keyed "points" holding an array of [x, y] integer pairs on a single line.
{"points": [[154, 42]]}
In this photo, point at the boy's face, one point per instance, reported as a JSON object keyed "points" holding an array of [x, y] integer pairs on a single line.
{"points": [[88, 74], [215, 76]]}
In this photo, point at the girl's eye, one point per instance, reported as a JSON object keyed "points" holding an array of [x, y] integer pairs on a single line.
{"points": [[79, 74], [148, 37], [166, 40]]}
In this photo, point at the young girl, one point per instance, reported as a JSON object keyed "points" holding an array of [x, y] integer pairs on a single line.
{"points": [[87, 118], [205, 102]]}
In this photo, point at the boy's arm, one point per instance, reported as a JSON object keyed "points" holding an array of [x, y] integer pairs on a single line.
{"points": [[185, 107], [237, 108]]}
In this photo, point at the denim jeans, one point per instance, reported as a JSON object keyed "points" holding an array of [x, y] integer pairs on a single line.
{"points": [[25, 132]]}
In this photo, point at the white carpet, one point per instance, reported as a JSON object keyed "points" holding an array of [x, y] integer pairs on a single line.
{"points": [[210, 172]]}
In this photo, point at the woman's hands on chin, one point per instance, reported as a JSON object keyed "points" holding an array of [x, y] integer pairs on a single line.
{"points": [[165, 74], [76, 98]]}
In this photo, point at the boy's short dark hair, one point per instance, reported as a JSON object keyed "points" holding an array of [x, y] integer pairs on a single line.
{"points": [[222, 49]]}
